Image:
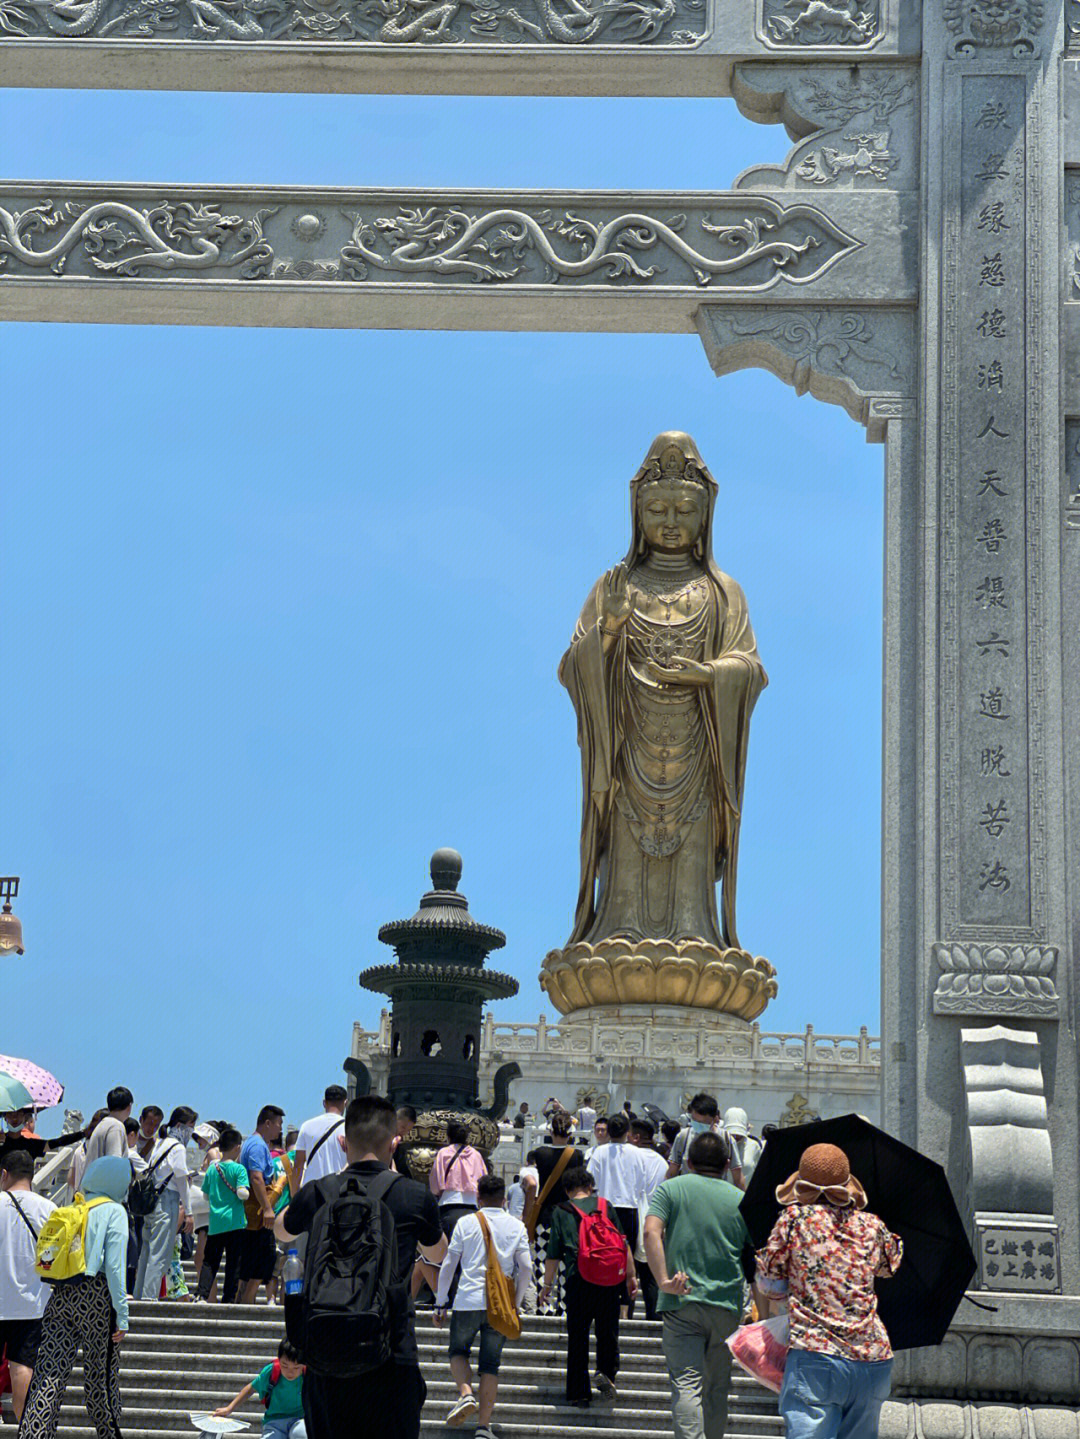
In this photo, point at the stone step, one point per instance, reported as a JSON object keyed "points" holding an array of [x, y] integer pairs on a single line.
{"points": [[210, 1341], [572, 1426], [184, 1357], [150, 1411], [641, 1387]]}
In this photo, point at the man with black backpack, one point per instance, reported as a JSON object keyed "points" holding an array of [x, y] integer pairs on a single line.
{"points": [[588, 1239], [354, 1323]]}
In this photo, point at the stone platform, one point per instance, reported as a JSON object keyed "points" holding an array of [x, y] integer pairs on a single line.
{"points": [[663, 1054]]}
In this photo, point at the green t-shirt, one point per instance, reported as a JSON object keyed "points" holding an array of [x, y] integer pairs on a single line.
{"points": [[285, 1198], [704, 1235], [563, 1237], [226, 1211], [286, 1397]]}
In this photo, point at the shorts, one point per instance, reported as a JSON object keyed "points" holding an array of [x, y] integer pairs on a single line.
{"points": [[21, 1338], [465, 1325], [258, 1255]]}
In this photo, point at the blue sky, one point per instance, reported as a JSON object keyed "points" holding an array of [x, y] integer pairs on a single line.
{"points": [[283, 609]]}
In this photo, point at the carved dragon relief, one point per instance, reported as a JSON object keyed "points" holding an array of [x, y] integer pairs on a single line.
{"points": [[391, 22], [736, 240]]}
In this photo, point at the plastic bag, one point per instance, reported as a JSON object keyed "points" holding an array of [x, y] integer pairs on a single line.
{"points": [[761, 1349]]}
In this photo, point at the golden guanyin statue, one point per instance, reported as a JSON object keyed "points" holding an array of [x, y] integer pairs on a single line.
{"points": [[663, 671]]}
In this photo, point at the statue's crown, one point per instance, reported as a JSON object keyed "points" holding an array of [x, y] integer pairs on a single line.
{"points": [[674, 468]]}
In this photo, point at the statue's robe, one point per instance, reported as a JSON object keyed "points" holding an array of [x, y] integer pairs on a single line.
{"points": [[662, 766]]}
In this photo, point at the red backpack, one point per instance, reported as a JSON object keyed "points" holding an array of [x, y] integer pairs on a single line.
{"points": [[601, 1248]]}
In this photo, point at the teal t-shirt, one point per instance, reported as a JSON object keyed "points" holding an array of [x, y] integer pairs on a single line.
{"points": [[226, 1211], [286, 1397], [704, 1235]]}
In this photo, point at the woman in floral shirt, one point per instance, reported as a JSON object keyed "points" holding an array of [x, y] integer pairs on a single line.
{"points": [[839, 1362]]}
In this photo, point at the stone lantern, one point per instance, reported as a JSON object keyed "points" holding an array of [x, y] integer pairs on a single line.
{"points": [[437, 989]]}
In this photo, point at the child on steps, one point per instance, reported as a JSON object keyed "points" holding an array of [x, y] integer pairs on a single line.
{"points": [[281, 1388]]}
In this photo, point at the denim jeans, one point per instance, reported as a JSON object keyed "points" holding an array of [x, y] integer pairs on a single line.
{"points": [[465, 1326], [289, 1426], [826, 1397]]}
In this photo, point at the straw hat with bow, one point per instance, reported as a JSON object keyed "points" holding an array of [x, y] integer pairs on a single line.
{"points": [[823, 1171]]}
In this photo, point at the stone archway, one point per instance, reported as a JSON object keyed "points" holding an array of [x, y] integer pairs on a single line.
{"points": [[915, 261]]}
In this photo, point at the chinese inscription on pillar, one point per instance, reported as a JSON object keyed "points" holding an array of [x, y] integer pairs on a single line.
{"points": [[987, 573]]}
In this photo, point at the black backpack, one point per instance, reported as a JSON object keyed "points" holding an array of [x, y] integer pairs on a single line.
{"points": [[144, 1193], [346, 1320]]}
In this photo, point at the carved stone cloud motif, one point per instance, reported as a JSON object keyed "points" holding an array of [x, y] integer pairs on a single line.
{"points": [[392, 22], [838, 355], [734, 240]]}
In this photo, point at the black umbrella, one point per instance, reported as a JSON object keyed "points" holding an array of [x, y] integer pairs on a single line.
{"points": [[910, 1193]]}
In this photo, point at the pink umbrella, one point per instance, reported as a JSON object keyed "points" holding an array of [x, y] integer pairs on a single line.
{"points": [[45, 1090]]}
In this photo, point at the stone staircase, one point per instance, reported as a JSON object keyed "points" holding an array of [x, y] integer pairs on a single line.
{"points": [[182, 1357]]}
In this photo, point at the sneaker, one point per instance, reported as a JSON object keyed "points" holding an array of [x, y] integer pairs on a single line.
{"points": [[605, 1387], [484, 1431], [465, 1408]]}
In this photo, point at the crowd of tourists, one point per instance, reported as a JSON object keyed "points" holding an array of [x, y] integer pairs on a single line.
{"points": [[607, 1212]]}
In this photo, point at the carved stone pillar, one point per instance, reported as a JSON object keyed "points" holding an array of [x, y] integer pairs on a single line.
{"points": [[991, 937]]}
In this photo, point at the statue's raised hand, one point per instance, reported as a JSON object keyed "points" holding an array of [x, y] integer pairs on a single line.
{"points": [[615, 602]]}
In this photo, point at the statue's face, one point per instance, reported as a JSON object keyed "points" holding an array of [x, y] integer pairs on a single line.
{"points": [[672, 517]]}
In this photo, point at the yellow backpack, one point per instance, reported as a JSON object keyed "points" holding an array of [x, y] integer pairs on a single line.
{"points": [[502, 1313], [61, 1246]]}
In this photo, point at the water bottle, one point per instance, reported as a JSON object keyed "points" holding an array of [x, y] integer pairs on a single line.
{"points": [[293, 1274]]}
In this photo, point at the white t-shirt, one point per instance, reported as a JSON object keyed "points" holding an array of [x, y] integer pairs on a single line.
{"points": [[586, 1117], [655, 1167], [469, 1248], [331, 1158], [515, 1201], [109, 1137], [619, 1174], [172, 1171], [22, 1294], [748, 1150]]}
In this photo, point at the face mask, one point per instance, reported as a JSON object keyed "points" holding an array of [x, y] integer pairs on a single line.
{"points": [[184, 1132], [698, 1126]]}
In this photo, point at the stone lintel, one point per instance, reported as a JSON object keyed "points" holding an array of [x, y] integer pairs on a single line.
{"points": [[533, 47], [439, 259]]}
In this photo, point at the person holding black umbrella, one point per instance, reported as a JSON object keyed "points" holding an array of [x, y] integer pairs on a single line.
{"points": [[830, 1250]]}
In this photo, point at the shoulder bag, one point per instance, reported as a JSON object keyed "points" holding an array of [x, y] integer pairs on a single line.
{"points": [[332, 1129], [533, 1217], [502, 1311], [23, 1215]]}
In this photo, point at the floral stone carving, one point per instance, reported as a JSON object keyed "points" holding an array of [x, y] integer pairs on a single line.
{"points": [[996, 979], [649, 971]]}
